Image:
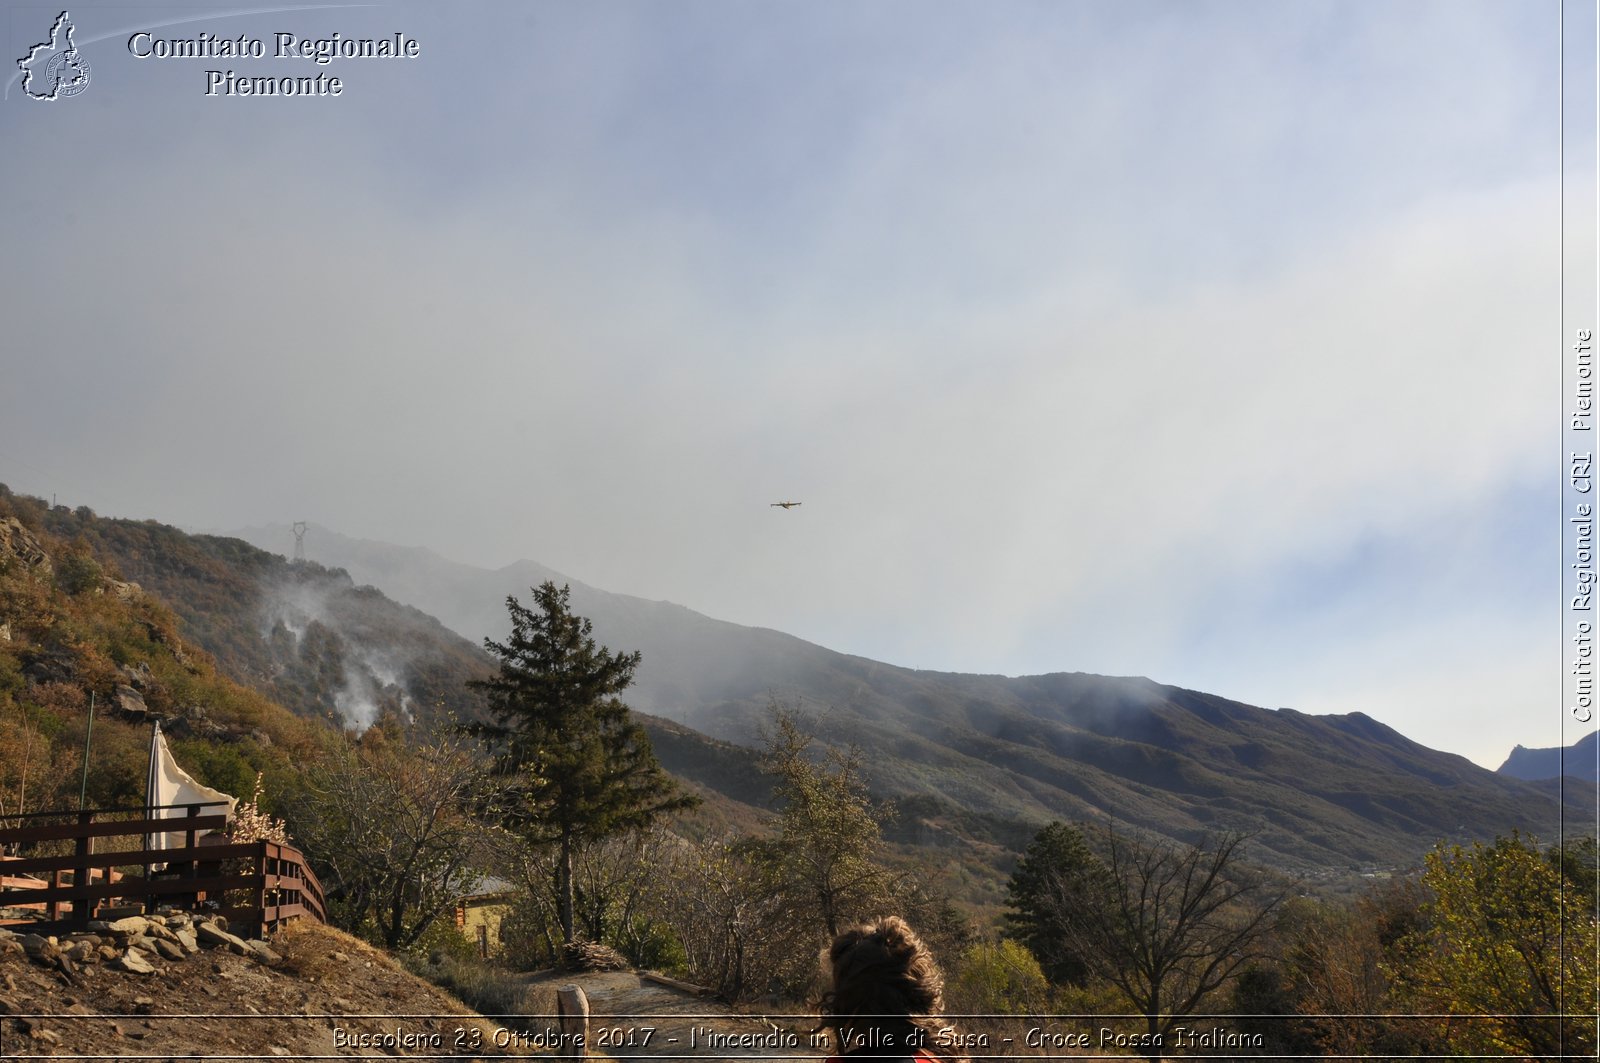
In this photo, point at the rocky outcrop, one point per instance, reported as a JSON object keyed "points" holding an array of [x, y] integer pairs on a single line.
{"points": [[121, 590], [130, 702], [19, 543], [52, 665]]}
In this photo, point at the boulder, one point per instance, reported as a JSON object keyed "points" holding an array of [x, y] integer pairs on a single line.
{"points": [[134, 962], [130, 701], [121, 590], [158, 930], [68, 969], [127, 926], [39, 949], [263, 952], [169, 950], [211, 937]]}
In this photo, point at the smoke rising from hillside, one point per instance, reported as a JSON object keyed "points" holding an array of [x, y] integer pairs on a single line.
{"points": [[326, 637]]}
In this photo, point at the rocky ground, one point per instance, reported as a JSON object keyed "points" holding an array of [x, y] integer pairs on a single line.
{"points": [[179, 988]]}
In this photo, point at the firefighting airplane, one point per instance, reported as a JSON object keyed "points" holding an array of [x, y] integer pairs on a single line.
{"points": [[786, 505]]}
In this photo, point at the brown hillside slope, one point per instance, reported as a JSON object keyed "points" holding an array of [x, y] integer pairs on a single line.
{"points": [[217, 1005]]}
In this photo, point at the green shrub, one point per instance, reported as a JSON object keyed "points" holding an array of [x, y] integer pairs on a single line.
{"points": [[997, 979], [77, 572]]}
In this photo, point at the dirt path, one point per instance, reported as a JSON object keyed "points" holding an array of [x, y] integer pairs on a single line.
{"points": [[633, 1017]]}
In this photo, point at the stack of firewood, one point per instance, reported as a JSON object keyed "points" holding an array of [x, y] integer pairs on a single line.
{"points": [[592, 956]]}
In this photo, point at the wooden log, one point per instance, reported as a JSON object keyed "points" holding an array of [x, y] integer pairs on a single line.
{"points": [[572, 1004]]}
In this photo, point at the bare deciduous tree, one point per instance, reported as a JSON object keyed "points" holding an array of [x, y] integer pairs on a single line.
{"points": [[1170, 925], [740, 936], [613, 882], [397, 832]]}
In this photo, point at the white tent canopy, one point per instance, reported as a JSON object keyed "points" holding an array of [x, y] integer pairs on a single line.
{"points": [[171, 785]]}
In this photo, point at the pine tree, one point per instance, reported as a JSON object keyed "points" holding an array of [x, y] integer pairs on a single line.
{"points": [[1058, 878], [583, 768]]}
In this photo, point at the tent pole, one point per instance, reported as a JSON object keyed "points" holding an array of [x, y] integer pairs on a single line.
{"points": [[88, 737]]}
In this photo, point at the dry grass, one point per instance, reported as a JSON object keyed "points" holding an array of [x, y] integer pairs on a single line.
{"points": [[487, 989]]}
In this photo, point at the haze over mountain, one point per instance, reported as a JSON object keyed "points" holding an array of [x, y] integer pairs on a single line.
{"points": [[975, 757]]}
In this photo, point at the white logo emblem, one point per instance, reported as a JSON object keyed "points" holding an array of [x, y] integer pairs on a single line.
{"points": [[56, 63]]}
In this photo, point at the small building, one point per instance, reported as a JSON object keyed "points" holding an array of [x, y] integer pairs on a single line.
{"points": [[479, 915]]}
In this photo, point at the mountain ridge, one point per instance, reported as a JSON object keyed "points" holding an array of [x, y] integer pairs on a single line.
{"points": [[1578, 760], [953, 748]]}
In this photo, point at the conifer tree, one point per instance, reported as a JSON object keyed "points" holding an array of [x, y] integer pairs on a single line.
{"points": [[583, 768], [1057, 879]]}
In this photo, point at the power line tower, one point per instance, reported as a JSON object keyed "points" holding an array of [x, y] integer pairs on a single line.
{"points": [[299, 541]]}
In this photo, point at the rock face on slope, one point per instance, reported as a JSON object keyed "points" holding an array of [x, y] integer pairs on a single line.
{"points": [[1576, 761], [182, 985], [17, 543]]}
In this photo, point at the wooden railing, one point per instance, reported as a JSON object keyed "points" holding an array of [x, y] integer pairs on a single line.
{"points": [[257, 885]]}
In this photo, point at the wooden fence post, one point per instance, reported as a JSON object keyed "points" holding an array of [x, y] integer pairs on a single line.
{"points": [[573, 1006], [189, 837], [83, 905], [261, 896]]}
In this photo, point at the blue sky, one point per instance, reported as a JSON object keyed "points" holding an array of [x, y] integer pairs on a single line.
{"points": [[1205, 341]]}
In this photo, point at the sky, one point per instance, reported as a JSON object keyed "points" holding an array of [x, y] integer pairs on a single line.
{"points": [[1216, 342]]}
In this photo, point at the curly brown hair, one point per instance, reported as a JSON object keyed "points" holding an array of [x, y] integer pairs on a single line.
{"points": [[886, 990]]}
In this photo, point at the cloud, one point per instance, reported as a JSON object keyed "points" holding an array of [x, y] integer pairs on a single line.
{"points": [[1077, 333]]}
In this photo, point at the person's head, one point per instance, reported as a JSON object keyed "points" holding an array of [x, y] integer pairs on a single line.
{"points": [[881, 976]]}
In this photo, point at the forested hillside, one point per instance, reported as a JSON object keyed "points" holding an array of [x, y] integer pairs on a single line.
{"points": [[71, 629], [979, 759], [975, 763]]}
